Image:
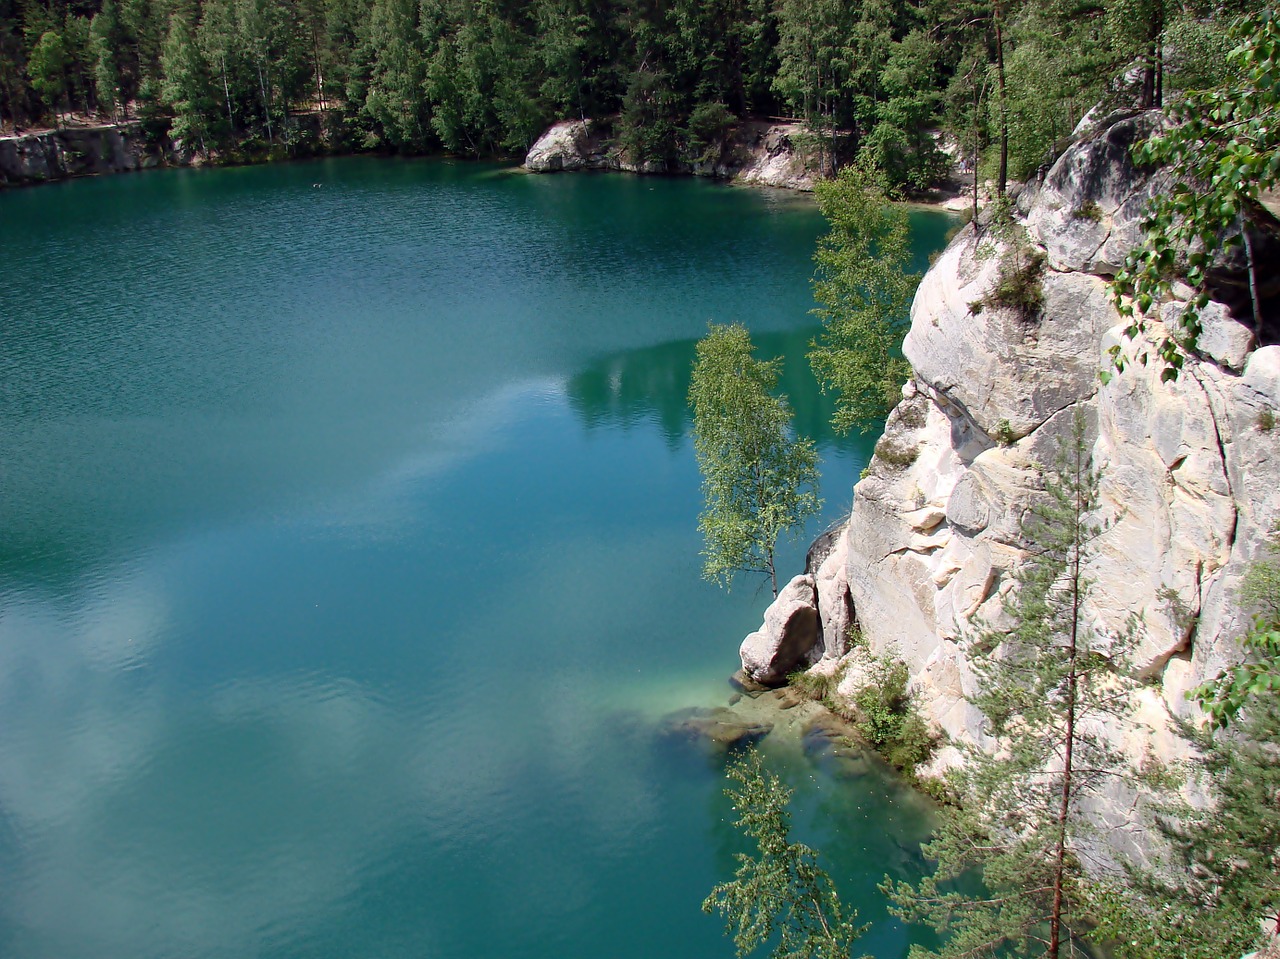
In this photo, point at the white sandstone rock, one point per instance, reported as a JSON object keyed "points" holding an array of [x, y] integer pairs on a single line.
{"points": [[789, 633]]}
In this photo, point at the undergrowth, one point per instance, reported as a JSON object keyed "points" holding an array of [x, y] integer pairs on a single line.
{"points": [[882, 710]]}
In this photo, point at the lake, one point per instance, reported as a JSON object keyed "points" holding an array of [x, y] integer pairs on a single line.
{"points": [[349, 563]]}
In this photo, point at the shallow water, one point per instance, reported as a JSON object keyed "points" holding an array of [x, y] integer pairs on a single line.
{"points": [[348, 561]]}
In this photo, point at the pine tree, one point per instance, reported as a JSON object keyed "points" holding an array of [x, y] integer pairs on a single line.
{"points": [[1047, 688], [186, 87], [104, 42]]}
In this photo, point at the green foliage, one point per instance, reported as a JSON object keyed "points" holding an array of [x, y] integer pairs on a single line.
{"points": [[186, 88], [757, 480], [1018, 284], [1224, 149], [886, 715], [709, 124], [1257, 680], [485, 76], [650, 127], [47, 67], [814, 685], [1046, 688], [780, 891], [863, 288]]}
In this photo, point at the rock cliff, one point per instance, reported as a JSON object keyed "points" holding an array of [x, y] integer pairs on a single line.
{"points": [[1190, 468], [759, 153], [76, 151]]}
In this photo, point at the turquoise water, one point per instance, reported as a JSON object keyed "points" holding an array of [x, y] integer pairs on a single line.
{"points": [[348, 563]]}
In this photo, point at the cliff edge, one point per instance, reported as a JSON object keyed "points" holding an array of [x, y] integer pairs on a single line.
{"points": [[1190, 469]]}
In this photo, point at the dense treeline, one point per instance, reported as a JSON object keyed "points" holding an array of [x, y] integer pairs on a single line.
{"points": [[483, 77]]}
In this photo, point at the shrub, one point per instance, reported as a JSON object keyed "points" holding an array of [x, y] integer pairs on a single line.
{"points": [[1089, 210], [887, 716], [709, 124], [815, 686], [1019, 286]]}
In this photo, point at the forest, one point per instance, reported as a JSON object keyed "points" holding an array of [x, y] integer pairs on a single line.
{"points": [[1008, 79]]}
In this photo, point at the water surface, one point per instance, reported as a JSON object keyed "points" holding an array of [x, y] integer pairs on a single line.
{"points": [[348, 561]]}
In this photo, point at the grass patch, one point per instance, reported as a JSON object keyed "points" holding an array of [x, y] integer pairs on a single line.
{"points": [[1019, 287], [896, 454], [1089, 210]]}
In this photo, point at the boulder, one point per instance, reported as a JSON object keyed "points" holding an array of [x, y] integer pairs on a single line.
{"points": [[567, 145], [788, 636], [835, 603], [759, 153]]}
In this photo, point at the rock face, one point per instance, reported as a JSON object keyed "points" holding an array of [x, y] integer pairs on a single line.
{"points": [[757, 153], [1190, 468], [789, 635], [81, 151], [568, 145]]}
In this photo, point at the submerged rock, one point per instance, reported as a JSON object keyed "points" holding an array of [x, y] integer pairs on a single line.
{"points": [[741, 681], [719, 727]]}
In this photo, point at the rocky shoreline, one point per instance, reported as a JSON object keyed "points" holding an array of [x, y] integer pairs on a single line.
{"points": [[49, 155], [1190, 473], [754, 152]]}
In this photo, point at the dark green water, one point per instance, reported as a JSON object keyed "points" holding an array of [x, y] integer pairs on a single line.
{"points": [[348, 561]]}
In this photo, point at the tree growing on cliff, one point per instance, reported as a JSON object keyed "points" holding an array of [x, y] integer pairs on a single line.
{"points": [[781, 890], [1047, 687], [1224, 149], [863, 287], [1222, 883], [757, 480], [1255, 682]]}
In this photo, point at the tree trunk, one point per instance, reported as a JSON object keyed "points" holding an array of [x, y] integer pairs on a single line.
{"points": [[1069, 732], [1254, 301], [1002, 177], [226, 91], [266, 103]]}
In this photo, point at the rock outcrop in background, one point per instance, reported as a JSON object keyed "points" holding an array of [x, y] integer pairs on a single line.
{"points": [[758, 153], [1190, 468], [75, 151]]}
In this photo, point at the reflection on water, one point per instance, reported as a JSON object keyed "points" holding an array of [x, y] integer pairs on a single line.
{"points": [[348, 559], [651, 386]]}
